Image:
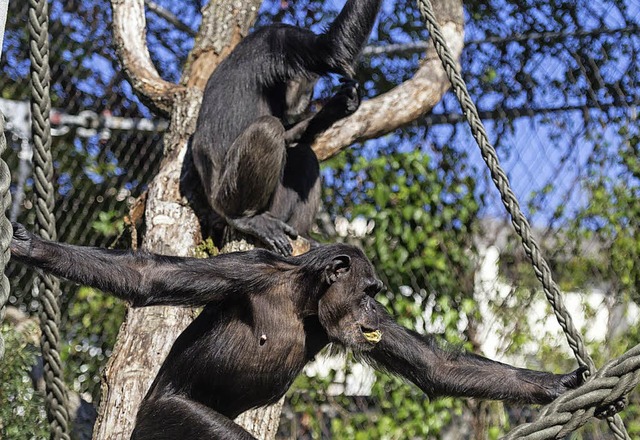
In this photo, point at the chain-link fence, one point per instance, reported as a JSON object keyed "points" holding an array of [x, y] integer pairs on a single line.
{"points": [[559, 89]]}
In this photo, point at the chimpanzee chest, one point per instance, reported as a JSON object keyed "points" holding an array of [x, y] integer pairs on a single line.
{"points": [[255, 351]]}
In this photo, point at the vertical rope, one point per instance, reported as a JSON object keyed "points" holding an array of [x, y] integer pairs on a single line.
{"points": [[520, 223], [6, 232], [48, 286]]}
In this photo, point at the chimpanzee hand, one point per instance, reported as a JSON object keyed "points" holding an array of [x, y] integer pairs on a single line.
{"points": [[346, 100], [611, 409], [22, 241], [569, 381], [269, 230], [576, 379]]}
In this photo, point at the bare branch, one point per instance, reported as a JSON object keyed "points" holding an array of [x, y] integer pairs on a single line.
{"points": [[169, 16], [403, 104], [224, 24], [129, 35]]}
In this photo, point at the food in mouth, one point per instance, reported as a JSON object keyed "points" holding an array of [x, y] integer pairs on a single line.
{"points": [[373, 336]]}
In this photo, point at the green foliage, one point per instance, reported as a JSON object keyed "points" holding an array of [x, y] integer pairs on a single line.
{"points": [[92, 324], [424, 215], [21, 411], [109, 223]]}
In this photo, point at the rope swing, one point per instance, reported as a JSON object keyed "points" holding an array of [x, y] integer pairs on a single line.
{"points": [[620, 374], [48, 286]]}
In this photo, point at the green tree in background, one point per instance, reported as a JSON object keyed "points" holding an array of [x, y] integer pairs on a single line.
{"points": [[424, 213]]}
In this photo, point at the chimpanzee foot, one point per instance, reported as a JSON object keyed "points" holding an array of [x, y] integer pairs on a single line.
{"points": [[269, 230]]}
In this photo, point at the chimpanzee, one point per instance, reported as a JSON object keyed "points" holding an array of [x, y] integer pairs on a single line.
{"points": [[265, 316], [250, 148]]}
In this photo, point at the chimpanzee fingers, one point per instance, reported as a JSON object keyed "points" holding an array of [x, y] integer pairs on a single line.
{"points": [[278, 242], [575, 378], [350, 91], [289, 230], [346, 80], [21, 241], [19, 231], [613, 408]]}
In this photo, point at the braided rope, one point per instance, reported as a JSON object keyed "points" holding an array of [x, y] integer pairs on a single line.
{"points": [[519, 221], [6, 232], [574, 408], [48, 287]]}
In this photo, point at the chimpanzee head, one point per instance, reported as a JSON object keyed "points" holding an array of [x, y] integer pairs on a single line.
{"points": [[347, 310]]}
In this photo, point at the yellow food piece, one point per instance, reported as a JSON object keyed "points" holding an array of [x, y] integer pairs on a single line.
{"points": [[373, 337]]}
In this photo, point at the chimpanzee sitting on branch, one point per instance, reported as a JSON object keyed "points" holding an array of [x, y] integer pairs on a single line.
{"points": [[252, 144], [265, 316]]}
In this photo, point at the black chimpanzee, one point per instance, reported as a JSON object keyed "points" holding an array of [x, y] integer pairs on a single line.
{"points": [[250, 148], [265, 316]]}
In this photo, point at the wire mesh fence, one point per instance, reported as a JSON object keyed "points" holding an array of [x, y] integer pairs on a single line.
{"points": [[559, 89]]}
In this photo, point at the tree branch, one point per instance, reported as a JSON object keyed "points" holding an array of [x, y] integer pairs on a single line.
{"points": [[223, 26], [406, 102], [147, 334], [129, 36]]}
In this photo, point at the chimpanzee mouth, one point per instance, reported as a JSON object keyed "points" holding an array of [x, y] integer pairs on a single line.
{"points": [[372, 335]]}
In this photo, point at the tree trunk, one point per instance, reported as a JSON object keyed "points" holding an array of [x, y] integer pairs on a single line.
{"points": [[147, 334]]}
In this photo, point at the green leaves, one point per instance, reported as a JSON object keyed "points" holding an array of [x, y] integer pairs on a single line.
{"points": [[424, 213]]}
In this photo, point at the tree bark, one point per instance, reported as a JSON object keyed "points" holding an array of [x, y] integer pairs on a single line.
{"points": [[147, 334], [171, 226]]}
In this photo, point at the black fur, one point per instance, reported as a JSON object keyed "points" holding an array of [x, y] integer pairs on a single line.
{"points": [[250, 149], [265, 316]]}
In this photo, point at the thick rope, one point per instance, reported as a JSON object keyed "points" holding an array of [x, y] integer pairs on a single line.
{"points": [[574, 408], [6, 231], [518, 219], [48, 287]]}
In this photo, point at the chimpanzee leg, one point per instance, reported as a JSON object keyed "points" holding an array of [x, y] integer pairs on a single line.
{"points": [[248, 178], [177, 417], [251, 170], [297, 198]]}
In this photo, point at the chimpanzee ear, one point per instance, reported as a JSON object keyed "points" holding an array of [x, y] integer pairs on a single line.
{"points": [[340, 265]]}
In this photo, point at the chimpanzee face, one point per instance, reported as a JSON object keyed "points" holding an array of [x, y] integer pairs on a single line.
{"points": [[347, 310]]}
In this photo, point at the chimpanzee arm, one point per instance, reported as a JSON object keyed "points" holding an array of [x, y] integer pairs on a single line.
{"points": [[344, 103], [440, 372], [141, 278], [340, 45]]}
